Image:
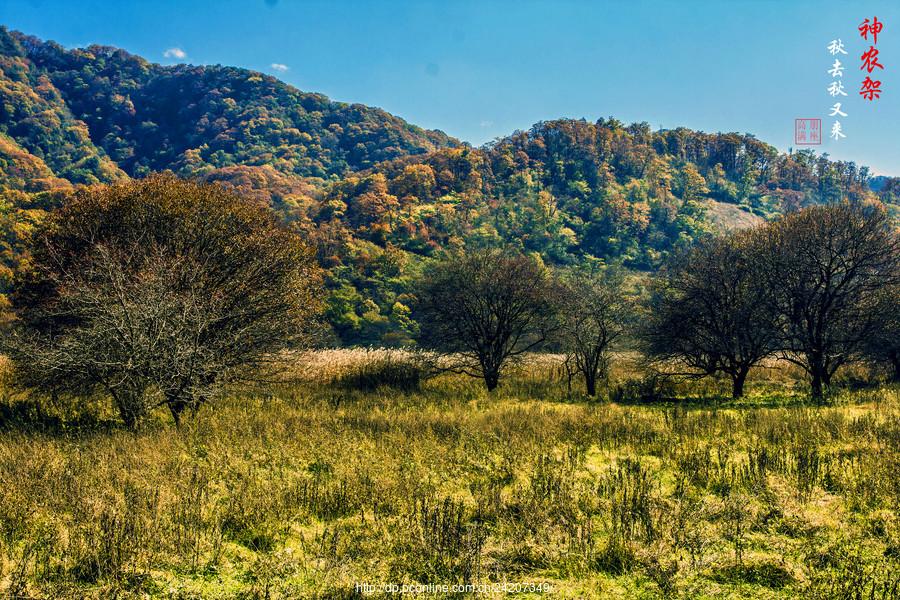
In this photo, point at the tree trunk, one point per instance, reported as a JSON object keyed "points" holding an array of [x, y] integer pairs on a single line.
{"points": [[818, 374], [127, 407], [590, 384], [816, 385], [128, 414], [896, 363], [737, 383], [176, 407], [491, 379]]}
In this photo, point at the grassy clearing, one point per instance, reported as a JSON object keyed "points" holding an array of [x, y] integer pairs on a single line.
{"points": [[312, 487]]}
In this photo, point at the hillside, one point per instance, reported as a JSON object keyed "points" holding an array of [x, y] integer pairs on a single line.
{"points": [[572, 189], [99, 113], [378, 195], [574, 192]]}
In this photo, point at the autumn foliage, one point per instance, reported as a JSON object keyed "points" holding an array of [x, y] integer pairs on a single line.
{"points": [[156, 292]]}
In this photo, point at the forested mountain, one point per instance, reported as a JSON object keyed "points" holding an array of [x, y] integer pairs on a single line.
{"points": [[573, 192], [375, 194], [96, 114], [100, 114], [569, 189]]}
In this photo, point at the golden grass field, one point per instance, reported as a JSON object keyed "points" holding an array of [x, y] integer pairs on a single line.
{"points": [[307, 487]]}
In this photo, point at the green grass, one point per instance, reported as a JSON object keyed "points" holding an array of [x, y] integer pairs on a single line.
{"points": [[310, 488]]}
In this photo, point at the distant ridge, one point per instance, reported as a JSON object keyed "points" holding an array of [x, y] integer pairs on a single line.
{"points": [[100, 113]]}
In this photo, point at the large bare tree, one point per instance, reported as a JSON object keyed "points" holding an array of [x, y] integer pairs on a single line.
{"points": [[710, 311], [484, 308], [826, 268], [593, 315], [157, 292]]}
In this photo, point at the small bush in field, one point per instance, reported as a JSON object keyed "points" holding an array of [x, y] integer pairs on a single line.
{"points": [[650, 388], [398, 370], [616, 557], [447, 544]]}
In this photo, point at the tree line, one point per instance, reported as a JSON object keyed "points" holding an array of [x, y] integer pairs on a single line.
{"points": [[159, 292], [817, 288]]}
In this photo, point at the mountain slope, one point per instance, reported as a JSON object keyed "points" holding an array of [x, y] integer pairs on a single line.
{"points": [[99, 113], [575, 193], [376, 195], [571, 189]]}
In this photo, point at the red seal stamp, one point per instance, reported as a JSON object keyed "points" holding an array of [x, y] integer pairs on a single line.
{"points": [[807, 132]]}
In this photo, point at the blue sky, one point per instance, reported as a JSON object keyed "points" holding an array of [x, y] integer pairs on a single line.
{"points": [[482, 69]]}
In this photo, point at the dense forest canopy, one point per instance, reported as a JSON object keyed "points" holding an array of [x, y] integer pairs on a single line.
{"points": [[98, 113], [376, 195], [571, 191]]}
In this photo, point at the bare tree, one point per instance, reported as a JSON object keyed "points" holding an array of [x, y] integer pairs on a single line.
{"points": [[485, 307], [592, 316], [157, 292], [129, 336], [710, 311], [826, 267]]}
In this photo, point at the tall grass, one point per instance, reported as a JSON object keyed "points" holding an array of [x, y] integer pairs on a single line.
{"points": [[288, 493]]}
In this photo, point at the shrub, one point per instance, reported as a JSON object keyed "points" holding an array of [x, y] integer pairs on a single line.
{"points": [[157, 291], [395, 369], [650, 388]]}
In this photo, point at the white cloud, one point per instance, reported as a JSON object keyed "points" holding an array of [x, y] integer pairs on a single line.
{"points": [[486, 123], [175, 53], [279, 67]]}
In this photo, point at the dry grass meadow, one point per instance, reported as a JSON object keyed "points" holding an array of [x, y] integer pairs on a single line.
{"points": [[312, 485]]}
